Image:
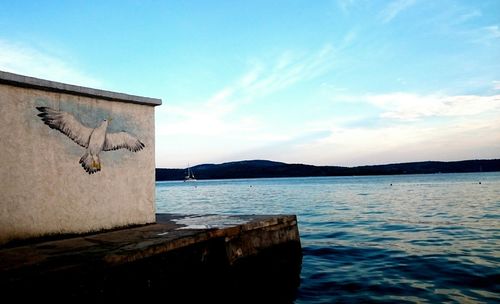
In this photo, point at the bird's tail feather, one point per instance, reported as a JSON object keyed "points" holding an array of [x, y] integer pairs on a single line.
{"points": [[90, 163]]}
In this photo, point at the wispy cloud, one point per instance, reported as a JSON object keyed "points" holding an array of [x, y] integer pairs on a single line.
{"points": [[464, 138], [29, 61], [218, 121], [287, 70], [491, 32], [485, 35], [406, 129], [260, 80], [468, 15], [496, 84], [394, 8], [408, 106], [472, 139], [345, 5], [463, 21], [281, 147]]}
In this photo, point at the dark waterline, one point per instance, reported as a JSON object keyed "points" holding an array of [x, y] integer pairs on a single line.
{"points": [[408, 238]]}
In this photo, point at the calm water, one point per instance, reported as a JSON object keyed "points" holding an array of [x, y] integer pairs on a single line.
{"points": [[410, 238]]}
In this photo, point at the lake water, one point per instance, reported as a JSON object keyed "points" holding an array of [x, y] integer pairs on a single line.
{"points": [[403, 239]]}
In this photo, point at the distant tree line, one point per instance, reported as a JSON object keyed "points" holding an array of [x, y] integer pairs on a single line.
{"points": [[265, 168]]}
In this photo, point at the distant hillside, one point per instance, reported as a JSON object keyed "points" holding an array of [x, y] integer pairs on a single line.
{"points": [[265, 168]]}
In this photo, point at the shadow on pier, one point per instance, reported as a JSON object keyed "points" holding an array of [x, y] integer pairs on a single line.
{"points": [[180, 259]]}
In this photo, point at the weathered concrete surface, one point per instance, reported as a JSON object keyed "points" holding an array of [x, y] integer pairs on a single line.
{"points": [[256, 258], [43, 188], [53, 86]]}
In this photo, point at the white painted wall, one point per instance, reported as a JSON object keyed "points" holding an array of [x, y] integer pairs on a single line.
{"points": [[43, 188]]}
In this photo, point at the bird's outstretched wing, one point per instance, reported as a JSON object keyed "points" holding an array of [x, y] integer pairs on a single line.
{"points": [[67, 124], [115, 141]]}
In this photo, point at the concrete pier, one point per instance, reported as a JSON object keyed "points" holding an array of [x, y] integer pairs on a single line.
{"points": [[180, 258]]}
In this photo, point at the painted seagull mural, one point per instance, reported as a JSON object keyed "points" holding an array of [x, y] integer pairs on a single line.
{"points": [[94, 140]]}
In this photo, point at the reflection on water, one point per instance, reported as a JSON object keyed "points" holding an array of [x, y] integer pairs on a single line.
{"points": [[408, 238], [208, 221]]}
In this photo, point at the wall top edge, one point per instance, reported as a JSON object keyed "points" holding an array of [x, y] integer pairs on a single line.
{"points": [[53, 86]]}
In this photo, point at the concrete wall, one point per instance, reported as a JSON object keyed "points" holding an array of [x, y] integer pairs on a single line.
{"points": [[44, 189]]}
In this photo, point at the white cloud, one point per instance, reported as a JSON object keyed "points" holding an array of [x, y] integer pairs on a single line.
{"points": [[213, 116], [466, 138], [201, 121], [408, 106], [496, 84], [486, 35], [28, 61], [492, 31], [288, 69], [469, 128], [345, 5], [394, 8], [217, 123], [468, 14]]}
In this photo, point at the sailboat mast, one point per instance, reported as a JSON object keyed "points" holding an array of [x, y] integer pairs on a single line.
{"points": [[189, 176]]}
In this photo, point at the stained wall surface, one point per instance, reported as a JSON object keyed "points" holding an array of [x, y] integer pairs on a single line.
{"points": [[44, 190]]}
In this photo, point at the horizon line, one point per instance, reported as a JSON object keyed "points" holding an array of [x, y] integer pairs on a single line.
{"points": [[382, 164]]}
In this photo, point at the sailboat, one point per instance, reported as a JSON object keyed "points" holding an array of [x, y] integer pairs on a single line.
{"points": [[189, 176]]}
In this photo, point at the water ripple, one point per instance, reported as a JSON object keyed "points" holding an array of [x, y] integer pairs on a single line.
{"points": [[425, 239]]}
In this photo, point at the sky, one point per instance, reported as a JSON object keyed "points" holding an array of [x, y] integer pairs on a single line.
{"points": [[339, 82]]}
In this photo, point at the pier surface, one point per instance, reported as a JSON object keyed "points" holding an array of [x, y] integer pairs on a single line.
{"points": [[180, 257]]}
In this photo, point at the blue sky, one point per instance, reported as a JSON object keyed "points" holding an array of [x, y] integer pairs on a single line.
{"points": [[347, 82]]}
